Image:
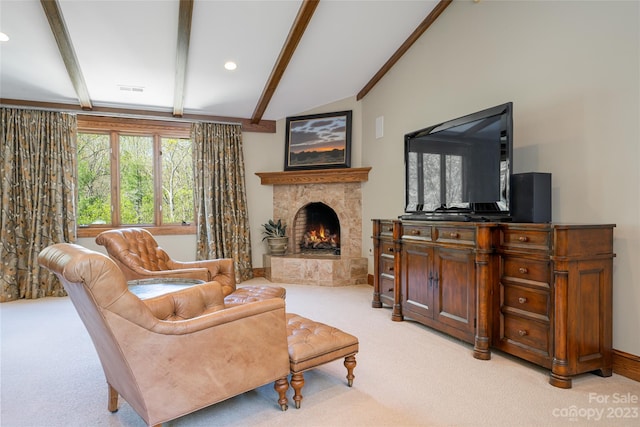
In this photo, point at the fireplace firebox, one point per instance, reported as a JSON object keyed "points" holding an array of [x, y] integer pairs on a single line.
{"points": [[317, 229]]}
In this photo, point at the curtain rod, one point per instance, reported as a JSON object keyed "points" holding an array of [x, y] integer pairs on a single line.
{"points": [[127, 115]]}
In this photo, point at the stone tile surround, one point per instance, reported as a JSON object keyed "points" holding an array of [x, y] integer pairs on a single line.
{"points": [[342, 192]]}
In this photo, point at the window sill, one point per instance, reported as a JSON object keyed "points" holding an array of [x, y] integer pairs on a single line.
{"points": [[165, 230]]}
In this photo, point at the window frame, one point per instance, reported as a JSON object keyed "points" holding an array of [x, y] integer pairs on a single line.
{"points": [[158, 129]]}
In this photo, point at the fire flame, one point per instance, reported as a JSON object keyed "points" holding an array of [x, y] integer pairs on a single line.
{"points": [[320, 235]]}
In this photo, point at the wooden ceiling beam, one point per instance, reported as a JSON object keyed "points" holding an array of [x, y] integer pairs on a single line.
{"points": [[61, 34], [430, 19], [182, 54], [307, 8]]}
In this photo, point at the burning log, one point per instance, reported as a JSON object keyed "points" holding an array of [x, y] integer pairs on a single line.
{"points": [[319, 239]]}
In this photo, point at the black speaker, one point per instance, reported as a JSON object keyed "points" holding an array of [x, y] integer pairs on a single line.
{"points": [[531, 197]]}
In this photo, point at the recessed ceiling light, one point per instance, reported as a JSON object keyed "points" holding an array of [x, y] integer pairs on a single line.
{"points": [[4, 37], [230, 65]]}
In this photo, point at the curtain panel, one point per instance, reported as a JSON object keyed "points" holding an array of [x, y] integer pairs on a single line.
{"points": [[220, 196], [37, 196]]}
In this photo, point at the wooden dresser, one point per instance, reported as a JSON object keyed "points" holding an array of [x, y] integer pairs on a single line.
{"points": [[541, 292]]}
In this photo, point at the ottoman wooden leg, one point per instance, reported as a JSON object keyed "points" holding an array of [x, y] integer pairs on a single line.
{"points": [[281, 386], [297, 382], [350, 364]]}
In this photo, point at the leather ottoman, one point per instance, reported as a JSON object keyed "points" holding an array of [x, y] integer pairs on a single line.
{"points": [[312, 344]]}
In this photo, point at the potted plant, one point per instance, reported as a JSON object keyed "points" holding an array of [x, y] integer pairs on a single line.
{"points": [[275, 235]]}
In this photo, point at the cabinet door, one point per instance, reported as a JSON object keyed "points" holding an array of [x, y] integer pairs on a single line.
{"points": [[417, 290], [454, 281]]}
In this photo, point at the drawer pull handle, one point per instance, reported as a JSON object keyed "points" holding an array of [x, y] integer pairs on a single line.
{"points": [[523, 270], [522, 300], [390, 249], [415, 232], [390, 229], [390, 290], [523, 238], [454, 235], [390, 268], [522, 332]]}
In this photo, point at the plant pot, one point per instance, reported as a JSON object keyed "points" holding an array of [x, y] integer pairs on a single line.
{"points": [[277, 245]]}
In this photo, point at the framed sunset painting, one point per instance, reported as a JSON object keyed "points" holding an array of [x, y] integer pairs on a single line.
{"points": [[318, 141]]}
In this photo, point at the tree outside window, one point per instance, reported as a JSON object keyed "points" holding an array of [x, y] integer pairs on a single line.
{"points": [[177, 181], [136, 180], [94, 179]]}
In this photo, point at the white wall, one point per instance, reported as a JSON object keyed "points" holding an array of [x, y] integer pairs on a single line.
{"points": [[572, 72], [181, 248]]}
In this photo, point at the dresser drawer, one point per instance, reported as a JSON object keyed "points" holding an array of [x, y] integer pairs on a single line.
{"points": [[531, 301], [416, 231], [386, 248], [526, 270], [386, 228], [527, 239], [527, 333], [386, 266], [386, 286], [461, 235]]}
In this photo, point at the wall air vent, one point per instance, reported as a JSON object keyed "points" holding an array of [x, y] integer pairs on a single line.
{"points": [[124, 88]]}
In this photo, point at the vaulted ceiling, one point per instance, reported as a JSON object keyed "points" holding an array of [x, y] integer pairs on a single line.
{"points": [[168, 56]]}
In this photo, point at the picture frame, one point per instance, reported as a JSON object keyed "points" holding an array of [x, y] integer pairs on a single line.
{"points": [[318, 141]]}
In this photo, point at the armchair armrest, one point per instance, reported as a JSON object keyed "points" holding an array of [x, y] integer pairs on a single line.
{"points": [[219, 270], [187, 303], [221, 317], [187, 273]]}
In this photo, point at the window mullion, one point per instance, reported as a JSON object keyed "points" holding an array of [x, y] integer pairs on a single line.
{"points": [[157, 178], [115, 178]]}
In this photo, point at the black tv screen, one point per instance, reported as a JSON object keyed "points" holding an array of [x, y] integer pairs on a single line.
{"points": [[462, 165]]}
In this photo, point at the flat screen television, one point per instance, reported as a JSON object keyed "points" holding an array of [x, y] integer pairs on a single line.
{"points": [[461, 169]]}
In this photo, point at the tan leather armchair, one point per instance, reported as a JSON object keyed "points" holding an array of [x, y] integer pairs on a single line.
{"points": [[177, 353], [138, 255]]}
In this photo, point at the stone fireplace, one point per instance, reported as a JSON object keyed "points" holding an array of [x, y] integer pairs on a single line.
{"points": [[327, 202]]}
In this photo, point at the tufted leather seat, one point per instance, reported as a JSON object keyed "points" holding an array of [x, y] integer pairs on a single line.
{"points": [[176, 353], [312, 344]]}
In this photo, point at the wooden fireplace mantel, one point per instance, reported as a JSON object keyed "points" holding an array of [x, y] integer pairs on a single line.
{"points": [[316, 176]]}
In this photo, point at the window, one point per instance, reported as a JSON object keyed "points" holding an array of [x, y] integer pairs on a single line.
{"points": [[134, 173]]}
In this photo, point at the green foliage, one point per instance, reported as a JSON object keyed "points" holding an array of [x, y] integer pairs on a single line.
{"points": [[177, 181], [94, 179], [274, 229], [136, 180]]}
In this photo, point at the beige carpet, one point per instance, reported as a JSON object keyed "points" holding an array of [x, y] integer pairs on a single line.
{"points": [[407, 375]]}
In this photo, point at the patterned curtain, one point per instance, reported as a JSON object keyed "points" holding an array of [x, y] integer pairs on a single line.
{"points": [[221, 201], [38, 164]]}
